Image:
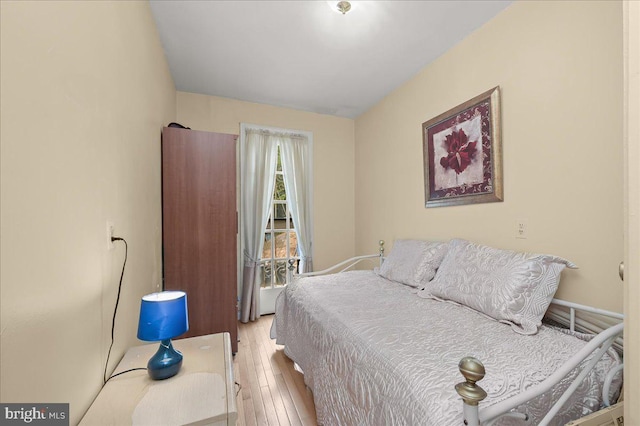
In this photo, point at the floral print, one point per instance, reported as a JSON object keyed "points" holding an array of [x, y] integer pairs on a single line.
{"points": [[460, 151]]}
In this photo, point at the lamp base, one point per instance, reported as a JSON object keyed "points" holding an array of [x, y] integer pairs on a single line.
{"points": [[165, 363]]}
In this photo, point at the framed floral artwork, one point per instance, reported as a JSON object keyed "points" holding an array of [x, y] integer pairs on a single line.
{"points": [[463, 153]]}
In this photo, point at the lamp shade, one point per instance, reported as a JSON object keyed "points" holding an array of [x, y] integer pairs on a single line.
{"points": [[163, 316]]}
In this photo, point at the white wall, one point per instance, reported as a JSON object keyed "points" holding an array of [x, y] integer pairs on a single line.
{"points": [[85, 93], [559, 66]]}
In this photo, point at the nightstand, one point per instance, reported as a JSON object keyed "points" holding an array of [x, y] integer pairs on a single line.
{"points": [[202, 392]]}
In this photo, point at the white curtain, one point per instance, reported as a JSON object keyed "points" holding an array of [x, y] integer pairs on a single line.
{"points": [[259, 154], [295, 152]]}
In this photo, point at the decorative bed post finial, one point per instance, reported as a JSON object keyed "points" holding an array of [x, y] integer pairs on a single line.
{"points": [[471, 394], [291, 269]]}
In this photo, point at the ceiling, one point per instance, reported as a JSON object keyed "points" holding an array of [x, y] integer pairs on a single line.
{"points": [[304, 54]]}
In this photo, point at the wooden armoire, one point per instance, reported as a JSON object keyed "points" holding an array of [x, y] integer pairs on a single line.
{"points": [[199, 227]]}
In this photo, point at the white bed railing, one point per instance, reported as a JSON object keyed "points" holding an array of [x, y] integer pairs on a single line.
{"points": [[473, 371], [573, 307], [351, 262], [595, 321]]}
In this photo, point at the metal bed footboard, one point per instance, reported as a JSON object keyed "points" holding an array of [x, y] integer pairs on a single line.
{"points": [[473, 371]]}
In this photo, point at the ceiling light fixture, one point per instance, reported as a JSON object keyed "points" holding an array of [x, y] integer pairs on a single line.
{"points": [[343, 7]]}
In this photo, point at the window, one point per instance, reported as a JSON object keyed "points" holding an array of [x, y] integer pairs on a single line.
{"points": [[276, 189], [280, 240]]}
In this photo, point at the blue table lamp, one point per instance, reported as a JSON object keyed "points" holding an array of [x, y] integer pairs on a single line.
{"points": [[163, 316]]}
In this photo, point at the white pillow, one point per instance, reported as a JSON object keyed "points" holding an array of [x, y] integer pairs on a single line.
{"points": [[413, 262], [512, 287]]}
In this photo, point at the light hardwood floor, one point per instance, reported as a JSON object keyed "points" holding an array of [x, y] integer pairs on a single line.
{"points": [[271, 391]]}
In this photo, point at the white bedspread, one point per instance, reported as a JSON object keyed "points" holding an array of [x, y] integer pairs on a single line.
{"points": [[376, 354]]}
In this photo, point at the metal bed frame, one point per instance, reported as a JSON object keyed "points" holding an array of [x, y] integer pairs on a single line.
{"points": [[473, 370]]}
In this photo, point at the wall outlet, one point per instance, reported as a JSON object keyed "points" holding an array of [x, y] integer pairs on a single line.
{"points": [[522, 229], [110, 245]]}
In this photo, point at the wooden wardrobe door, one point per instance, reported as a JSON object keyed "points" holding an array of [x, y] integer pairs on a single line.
{"points": [[199, 224]]}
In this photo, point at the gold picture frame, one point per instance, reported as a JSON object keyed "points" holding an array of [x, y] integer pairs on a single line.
{"points": [[462, 151]]}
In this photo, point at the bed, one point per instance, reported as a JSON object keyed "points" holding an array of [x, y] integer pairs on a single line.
{"points": [[388, 346]]}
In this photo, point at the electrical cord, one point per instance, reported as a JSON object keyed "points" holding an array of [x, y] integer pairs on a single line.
{"points": [[125, 371], [115, 309]]}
